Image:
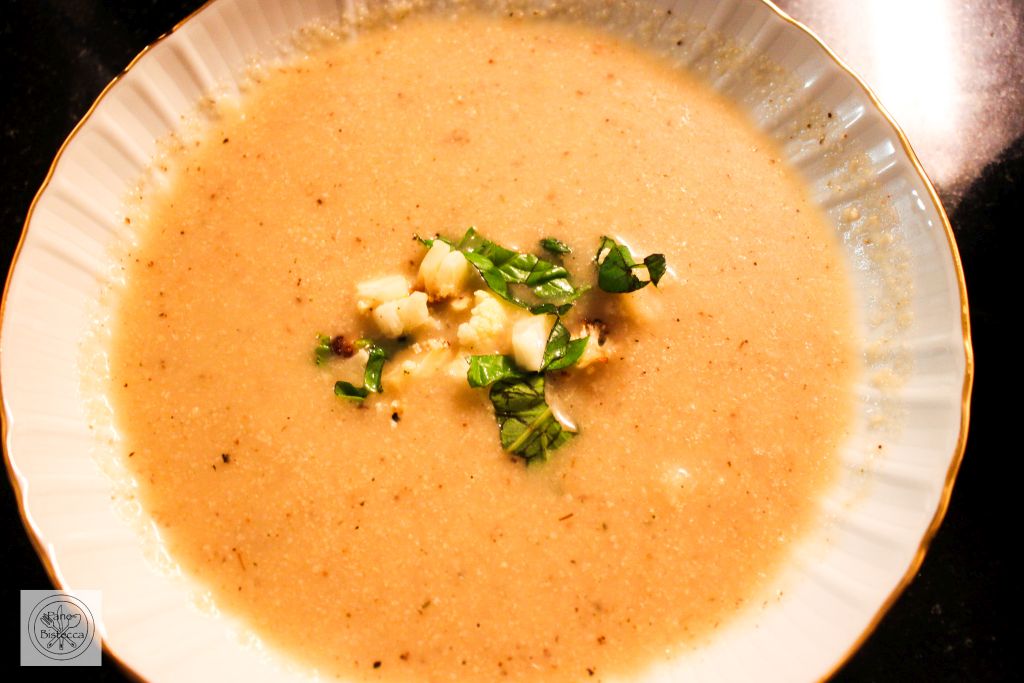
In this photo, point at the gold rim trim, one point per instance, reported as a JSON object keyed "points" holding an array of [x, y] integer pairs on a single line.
{"points": [[965, 321], [44, 556]]}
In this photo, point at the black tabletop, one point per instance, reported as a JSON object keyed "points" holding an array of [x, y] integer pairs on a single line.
{"points": [[951, 72]]}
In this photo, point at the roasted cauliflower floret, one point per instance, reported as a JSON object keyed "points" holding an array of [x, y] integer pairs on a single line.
{"points": [[373, 293], [597, 350], [488, 327], [401, 316], [443, 271], [422, 359]]}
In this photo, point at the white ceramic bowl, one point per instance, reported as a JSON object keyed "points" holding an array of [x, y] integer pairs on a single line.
{"points": [[912, 401]]}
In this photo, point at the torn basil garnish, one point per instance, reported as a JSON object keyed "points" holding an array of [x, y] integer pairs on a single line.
{"points": [[502, 268], [486, 370], [526, 424], [528, 427], [562, 351], [550, 309], [371, 374], [617, 271], [322, 352], [554, 246]]}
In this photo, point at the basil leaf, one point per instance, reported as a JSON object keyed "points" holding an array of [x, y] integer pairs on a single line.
{"points": [[550, 309], [371, 373], [562, 351], [501, 268], [486, 370], [350, 391], [656, 267], [471, 241], [526, 424], [616, 269], [495, 279], [374, 367], [556, 287], [551, 245], [322, 352]]}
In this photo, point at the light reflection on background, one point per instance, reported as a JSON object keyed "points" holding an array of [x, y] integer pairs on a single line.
{"points": [[949, 71]]}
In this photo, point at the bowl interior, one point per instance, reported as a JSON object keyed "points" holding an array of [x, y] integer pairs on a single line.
{"points": [[897, 466]]}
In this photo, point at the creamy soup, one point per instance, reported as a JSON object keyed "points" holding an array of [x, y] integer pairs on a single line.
{"points": [[394, 539]]}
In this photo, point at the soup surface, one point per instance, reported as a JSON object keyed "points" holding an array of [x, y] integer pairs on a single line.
{"points": [[417, 549]]}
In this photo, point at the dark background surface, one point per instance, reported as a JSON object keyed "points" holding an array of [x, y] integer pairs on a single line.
{"points": [[952, 623]]}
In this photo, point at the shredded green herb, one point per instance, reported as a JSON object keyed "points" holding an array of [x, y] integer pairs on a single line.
{"points": [[617, 270], [526, 424], [561, 350], [555, 246], [322, 352], [550, 309], [371, 374], [486, 370], [503, 268]]}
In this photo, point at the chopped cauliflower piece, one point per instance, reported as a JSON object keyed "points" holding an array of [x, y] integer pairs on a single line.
{"points": [[529, 339], [386, 317], [488, 325], [372, 293], [361, 357], [413, 311], [597, 349], [397, 317], [430, 355], [424, 359], [432, 260], [457, 368], [443, 271]]}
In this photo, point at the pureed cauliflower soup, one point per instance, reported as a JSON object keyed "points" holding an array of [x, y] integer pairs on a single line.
{"points": [[658, 388]]}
